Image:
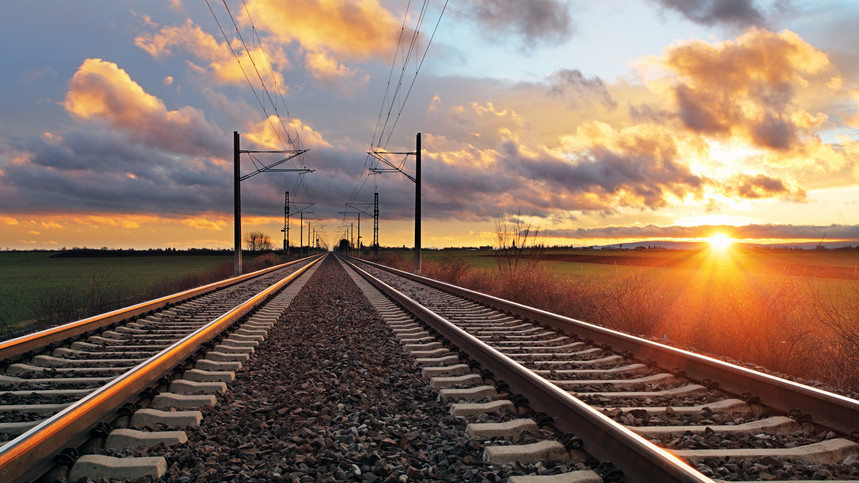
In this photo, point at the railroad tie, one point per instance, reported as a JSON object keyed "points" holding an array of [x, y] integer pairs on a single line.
{"points": [[469, 396], [97, 467], [830, 451], [149, 417], [125, 439], [583, 476]]}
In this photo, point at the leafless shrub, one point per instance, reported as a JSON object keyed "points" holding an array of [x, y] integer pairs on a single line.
{"points": [[771, 320], [449, 268], [516, 243], [257, 241], [838, 311]]}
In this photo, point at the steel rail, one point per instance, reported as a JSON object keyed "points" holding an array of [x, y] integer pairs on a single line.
{"points": [[639, 459], [827, 409], [22, 457], [17, 347]]}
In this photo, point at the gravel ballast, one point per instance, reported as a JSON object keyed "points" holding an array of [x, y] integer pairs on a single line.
{"points": [[331, 395]]}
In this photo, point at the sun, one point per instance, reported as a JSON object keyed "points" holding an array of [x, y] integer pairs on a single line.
{"points": [[720, 241]]}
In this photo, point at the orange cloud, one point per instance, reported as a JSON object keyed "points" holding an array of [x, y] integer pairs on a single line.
{"points": [[217, 55], [269, 133], [356, 29], [748, 87], [115, 221], [326, 69], [205, 223], [101, 90]]}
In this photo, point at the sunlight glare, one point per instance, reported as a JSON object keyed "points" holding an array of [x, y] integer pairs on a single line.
{"points": [[720, 241]]}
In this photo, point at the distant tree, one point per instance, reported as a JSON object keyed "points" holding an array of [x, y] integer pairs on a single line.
{"points": [[343, 246], [257, 241]]}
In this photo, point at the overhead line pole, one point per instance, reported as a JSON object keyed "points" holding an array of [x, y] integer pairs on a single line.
{"points": [[418, 203], [380, 155], [237, 189], [286, 224], [376, 224], [358, 211]]}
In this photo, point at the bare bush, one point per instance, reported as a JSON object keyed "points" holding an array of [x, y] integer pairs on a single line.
{"points": [[771, 320], [257, 241], [449, 268], [838, 310], [516, 243]]}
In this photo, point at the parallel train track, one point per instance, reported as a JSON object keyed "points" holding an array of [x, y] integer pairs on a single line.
{"points": [[63, 383], [656, 412]]}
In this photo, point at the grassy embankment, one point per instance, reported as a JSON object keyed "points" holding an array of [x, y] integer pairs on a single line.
{"points": [[790, 312], [38, 290]]}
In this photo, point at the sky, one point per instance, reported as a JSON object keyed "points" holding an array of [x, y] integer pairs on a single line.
{"points": [[593, 123]]}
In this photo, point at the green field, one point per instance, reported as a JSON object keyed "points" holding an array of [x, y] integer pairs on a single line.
{"points": [[25, 277], [679, 264]]}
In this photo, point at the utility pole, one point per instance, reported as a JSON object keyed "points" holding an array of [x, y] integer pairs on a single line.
{"points": [[301, 237], [237, 206], [285, 229], [237, 192], [308, 238], [358, 210], [376, 224], [418, 204], [380, 155]]}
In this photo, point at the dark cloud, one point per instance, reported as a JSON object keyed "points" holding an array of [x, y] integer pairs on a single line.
{"points": [[104, 172], [600, 178], [576, 89], [762, 186], [533, 22], [741, 13]]}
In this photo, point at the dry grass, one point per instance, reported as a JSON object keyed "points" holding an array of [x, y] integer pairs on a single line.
{"points": [[781, 322]]}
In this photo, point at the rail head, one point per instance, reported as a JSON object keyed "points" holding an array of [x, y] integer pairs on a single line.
{"points": [[21, 458], [605, 439], [834, 411], [15, 348]]}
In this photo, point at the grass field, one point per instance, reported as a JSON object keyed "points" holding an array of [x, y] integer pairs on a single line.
{"points": [[27, 277]]}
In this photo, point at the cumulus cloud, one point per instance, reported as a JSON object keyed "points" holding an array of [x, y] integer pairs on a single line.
{"points": [[217, 55], [102, 91], [761, 186], [576, 89], [533, 22], [748, 87], [269, 133], [353, 30], [327, 70], [741, 13], [602, 169]]}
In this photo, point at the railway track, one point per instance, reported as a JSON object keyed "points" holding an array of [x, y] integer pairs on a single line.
{"points": [[95, 380], [655, 412]]}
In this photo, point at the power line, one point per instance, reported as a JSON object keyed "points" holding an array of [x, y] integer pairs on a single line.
{"points": [[262, 82], [241, 67], [273, 78], [382, 128]]}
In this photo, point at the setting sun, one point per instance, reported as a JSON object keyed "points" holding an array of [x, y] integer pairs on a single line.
{"points": [[720, 241]]}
